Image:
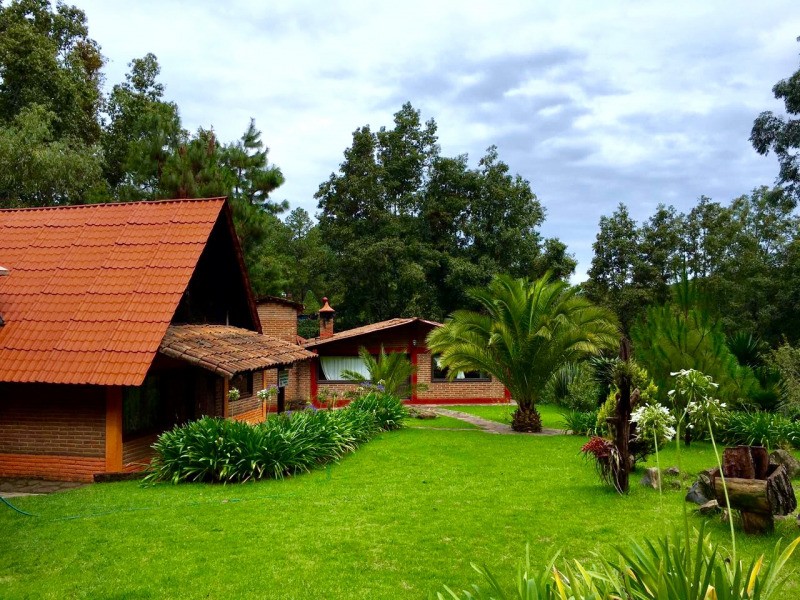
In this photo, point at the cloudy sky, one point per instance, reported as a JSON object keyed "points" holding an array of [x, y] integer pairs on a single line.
{"points": [[595, 103]]}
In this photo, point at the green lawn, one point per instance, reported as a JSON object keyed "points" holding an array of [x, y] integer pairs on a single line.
{"points": [[551, 415], [398, 518]]}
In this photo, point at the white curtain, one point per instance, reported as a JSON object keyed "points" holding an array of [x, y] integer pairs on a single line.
{"points": [[459, 375], [333, 366]]}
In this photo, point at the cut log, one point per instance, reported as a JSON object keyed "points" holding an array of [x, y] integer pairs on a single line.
{"points": [[738, 462], [744, 494], [780, 493], [753, 522], [760, 461], [758, 499]]}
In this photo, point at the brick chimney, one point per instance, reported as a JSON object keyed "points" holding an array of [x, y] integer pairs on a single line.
{"points": [[326, 314]]}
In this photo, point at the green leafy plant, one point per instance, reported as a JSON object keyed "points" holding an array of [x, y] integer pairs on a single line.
{"points": [[580, 422], [760, 429], [391, 371], [221, 450], [387, 410], [524, 333], [670, 568]]}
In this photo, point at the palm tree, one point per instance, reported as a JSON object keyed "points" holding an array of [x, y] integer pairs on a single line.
{"points": [[525, 332], [392, 371]]}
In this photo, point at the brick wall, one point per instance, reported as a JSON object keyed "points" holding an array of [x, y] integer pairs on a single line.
{"points": [[299, 382], [455, 391], [247, 404], [60, 468], [53, 419], [278, 320], [52, 431]]}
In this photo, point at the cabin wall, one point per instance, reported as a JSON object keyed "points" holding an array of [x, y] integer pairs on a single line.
{"points": [[454, 392], [52, 431], [412, 342]]}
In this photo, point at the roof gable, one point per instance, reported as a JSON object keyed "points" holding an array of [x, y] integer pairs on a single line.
{"points": [[93, 288]]}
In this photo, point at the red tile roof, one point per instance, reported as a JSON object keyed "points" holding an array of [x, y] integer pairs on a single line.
{"points": [[367, 329], [91, 289]]}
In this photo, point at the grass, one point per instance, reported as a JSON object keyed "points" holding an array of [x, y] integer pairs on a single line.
{"points": [[440, 422], [406, 513], [501, 413]]}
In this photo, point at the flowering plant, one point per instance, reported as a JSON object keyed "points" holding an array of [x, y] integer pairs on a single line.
{"points": [[701, 413], [655, 424], [607, 459], [692, 392], [268, 393], [234, 394]]}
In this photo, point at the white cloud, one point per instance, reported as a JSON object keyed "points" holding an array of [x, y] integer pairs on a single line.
{"points": [[594, 103]]}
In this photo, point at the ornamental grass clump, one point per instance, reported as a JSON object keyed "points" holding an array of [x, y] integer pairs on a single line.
{"points": [[580, 423], [221, 450], [770, 430], [385, 409], [670, 568]]}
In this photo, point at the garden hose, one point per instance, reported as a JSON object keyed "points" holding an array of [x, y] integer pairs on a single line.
{"points": [[11, 506]]}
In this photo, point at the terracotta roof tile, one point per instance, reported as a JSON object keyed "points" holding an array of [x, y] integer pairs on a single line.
{"points": [[92, 289], [229, 350]]}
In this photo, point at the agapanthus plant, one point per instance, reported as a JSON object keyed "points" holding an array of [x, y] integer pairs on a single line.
{"points": [[654, 424]]}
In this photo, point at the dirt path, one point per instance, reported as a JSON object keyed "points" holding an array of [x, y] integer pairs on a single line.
{"points": [[487, 425]]}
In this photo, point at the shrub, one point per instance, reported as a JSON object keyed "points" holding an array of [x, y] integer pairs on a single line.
{"points": [[573, 387], [785, 359], [388, 411], [670, 568], [760, 429], [220, 450], [580, 423], [607, 411]]}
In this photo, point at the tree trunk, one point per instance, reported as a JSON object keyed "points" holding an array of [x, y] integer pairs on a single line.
{"points": [[526, 419]]}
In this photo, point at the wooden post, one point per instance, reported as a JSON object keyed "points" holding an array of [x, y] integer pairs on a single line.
{"points": [[414, 363], [264, 408], [226, 386], [312, 368], [113, 429], [623, 429]]}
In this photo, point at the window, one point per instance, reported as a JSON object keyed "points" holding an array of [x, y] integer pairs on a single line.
{"points": [[440, 373], [143, 408], [332, 367], [244, 383]]}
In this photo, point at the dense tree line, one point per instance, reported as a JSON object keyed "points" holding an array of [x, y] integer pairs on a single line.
{"points": [[410, 230], [743, 256]]}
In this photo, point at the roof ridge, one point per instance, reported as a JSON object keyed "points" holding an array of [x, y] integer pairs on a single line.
{"points": [[107, 204]]}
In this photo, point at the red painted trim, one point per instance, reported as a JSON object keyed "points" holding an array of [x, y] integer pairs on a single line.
{"points": [[314, 387], [414, 352], [507, 394], [494, 400]]}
